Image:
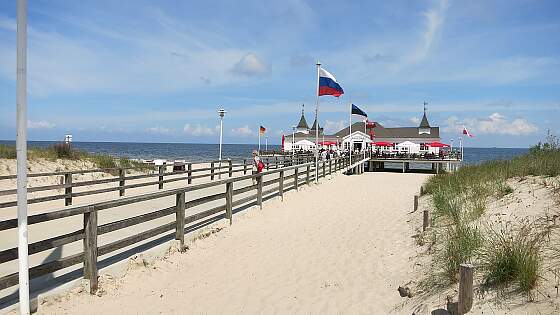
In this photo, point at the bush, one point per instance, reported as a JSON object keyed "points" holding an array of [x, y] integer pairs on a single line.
{"points": [[461, 244], [63, 150], [7, 151]]}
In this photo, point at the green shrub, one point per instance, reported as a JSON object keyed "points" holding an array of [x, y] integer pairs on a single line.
{"points": [[103, 161], [461, 245]]}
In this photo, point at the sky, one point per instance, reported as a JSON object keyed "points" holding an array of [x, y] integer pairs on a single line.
{"points": [[158, 71]]}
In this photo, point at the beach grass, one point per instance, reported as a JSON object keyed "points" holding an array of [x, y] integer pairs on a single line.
{"points": [[507, 255], [65, 151]]}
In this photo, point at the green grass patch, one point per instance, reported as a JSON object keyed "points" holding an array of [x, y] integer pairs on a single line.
{"points": [[7, 151]]}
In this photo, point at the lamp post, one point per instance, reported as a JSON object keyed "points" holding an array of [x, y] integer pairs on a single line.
{"points": [[21, 152], [266, 143], [221, 112], [293, 140]]}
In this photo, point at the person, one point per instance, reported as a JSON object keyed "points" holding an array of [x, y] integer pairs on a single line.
{"points": [[258, 165]]}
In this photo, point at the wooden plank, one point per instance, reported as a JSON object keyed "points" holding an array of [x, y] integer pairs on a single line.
{"points": [[243, 190], [128, 222], [131, 240], [204, 214], [90, 250], [39, 246], [229, 202], [41, 270], [180, 220], [243, 200], [68, 190], [205, 199]]}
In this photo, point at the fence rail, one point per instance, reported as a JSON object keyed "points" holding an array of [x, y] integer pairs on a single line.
{"points": [[215, 168], [303, 172]]}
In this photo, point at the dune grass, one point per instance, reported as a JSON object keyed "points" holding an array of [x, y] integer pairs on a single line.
{"points": [[66, 151], [511, 255]]}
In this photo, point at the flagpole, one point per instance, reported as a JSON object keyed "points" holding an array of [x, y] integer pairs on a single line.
{"points": [[259, 140], [21, 152], [351, 144], [317, 126]]}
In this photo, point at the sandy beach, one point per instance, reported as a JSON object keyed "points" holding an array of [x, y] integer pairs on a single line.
{"points": [[340, 247]]}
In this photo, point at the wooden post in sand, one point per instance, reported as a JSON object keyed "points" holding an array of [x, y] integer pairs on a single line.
{"points": [[189, 173], [296, 177], [90, 248], [121, 181], [229, 202], [324, 168], [307, 171], [425, 220], [465, 288], [415, 202], [211, 170], [68, 189], [230, 168], [161, 171], [180, 219], [259, 190], [281, 186], [330, 167]]}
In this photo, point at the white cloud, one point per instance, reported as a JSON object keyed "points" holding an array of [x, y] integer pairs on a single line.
{"points": [[333, 126], [494, 124], [159, 130], [40, 124], [242, 131], [250, 65], [434, 22], [200, 130], [415, 120]]}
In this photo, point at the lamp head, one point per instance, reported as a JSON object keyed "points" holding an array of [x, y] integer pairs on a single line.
{"points": [[222, 112]]}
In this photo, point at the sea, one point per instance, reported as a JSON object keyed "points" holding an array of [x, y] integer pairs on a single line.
{"points": [[195, 152]]}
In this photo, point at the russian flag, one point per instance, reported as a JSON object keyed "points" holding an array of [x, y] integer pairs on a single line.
{"points": [[328, 84]]}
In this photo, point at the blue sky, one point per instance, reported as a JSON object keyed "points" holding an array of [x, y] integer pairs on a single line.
{"points": [[158, 71]]}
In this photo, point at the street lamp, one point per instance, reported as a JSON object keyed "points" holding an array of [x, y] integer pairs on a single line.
{"points": [[293, 140], [221, 112]]}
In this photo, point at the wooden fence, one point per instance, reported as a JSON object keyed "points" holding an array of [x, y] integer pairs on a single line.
{"points": [[211, 169], [277, 182]]}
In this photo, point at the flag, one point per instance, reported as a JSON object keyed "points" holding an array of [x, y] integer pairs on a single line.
{"points": [[328, 84], [466, 132], [262, 130], [357, 111]]}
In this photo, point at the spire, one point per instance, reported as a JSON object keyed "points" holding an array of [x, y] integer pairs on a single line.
{"points": [[302, 122], [424, 123], [314, 127]]}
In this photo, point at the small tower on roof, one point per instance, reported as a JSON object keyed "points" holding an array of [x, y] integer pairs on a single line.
{"points": [[302, 125], [424, 128], [314, 127]]}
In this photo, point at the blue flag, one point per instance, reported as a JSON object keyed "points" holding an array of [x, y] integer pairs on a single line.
{"points": [[357, 111]]}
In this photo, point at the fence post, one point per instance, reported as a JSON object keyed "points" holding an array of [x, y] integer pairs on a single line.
{"points": [[189, 172], [296, 178], [68, 190], [324, 168], [415, 202], [161, 171], [308, 171], [90, 248], [211, 170], [121, 182], [465, 288], [281, 186], [180, 220], [330, 167], [259, 190], [244, 166], [230, 168], [425, 220], [229, 201]]}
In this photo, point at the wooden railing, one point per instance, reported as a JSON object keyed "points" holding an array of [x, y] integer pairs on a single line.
{"points": [[215, 169], [278, 180]]}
